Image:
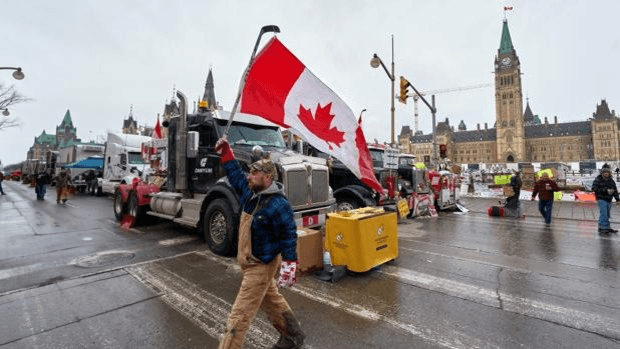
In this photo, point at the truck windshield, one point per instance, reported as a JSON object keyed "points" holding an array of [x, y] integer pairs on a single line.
{"points": [[255, 135], [135, 158]]}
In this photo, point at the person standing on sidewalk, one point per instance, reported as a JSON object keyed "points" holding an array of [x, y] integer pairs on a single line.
{"points": [[267, 240], [605, 189], [545, 188]]}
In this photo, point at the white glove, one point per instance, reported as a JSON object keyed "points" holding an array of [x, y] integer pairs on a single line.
{"points": [[288, 276]]}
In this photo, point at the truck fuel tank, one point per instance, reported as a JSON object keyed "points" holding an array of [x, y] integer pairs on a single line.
{"points": [[167, 203]]}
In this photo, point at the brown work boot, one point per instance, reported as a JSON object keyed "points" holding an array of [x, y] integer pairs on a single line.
{"points": [[294, 337]]}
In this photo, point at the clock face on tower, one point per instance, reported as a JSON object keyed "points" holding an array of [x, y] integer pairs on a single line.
{"points": [[506, 61]]}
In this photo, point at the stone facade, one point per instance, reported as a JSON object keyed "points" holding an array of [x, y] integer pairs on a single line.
{"points": [[520, 136]]}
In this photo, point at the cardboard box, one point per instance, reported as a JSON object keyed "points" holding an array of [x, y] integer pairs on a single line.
{"points": [[309, 250]]}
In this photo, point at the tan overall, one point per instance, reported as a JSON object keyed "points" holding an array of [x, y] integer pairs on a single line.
{"points": [[258, 290]]}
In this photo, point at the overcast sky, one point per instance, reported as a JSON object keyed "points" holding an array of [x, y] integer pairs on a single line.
{"points": [[96, 58]]}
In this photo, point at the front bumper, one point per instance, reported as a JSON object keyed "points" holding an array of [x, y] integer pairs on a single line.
{"points": [[314, 217]]}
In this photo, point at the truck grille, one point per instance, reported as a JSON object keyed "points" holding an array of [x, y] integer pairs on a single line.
{"points": [[320, 182], [297, 187]]}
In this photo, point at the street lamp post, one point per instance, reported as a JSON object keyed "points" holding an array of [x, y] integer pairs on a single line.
{"points": [[375, 62], [17, 74]]}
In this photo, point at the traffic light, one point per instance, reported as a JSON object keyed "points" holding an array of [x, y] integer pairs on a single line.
{"points": [[442, 151], [404, 85]]}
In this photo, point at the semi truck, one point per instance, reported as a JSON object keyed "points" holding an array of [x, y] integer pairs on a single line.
{"points": [[122, 159], [197, 193]]}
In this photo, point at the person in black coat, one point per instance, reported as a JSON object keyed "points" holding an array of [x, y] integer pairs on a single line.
{"points": [[41, 180], [512, 202], [605, 190]]}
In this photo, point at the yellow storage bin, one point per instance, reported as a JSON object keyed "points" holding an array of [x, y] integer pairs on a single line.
{"points": [[362, 239]]}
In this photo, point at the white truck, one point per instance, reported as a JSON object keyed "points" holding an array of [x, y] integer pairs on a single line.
{"points": [[121, 159]]}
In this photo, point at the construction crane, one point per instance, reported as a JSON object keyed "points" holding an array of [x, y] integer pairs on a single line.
{"points": [[415, 96]]}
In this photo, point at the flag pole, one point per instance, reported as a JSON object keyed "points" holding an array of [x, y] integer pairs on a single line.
{"points": [[263, 30]]}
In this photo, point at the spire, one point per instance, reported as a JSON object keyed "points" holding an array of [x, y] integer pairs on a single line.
{"points": [[602, 111], [209, 95], [131, 111], [528, 116], [505, 45], [66, 121]]}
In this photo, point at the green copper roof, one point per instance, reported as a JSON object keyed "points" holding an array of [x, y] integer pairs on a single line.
{"points": [[67, 119], [45, 138], [505, 46]]}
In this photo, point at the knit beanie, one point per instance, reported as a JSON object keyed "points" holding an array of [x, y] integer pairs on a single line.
{"points": [[606, 169]]}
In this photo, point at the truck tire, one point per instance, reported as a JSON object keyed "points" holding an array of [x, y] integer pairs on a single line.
{"points": [[346, 204], [218, 227], [119, 206], [133, 208]]}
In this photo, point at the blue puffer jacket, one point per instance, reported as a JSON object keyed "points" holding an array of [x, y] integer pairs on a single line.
{"points": [[273, 227]]}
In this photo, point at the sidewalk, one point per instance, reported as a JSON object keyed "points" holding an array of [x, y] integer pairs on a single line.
{"points": [[561, 209]]}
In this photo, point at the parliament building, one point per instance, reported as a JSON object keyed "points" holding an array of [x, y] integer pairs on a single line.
{"points": [[518, 135]]}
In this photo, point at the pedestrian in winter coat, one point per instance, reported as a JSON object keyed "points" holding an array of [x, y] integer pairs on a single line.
{"points": [[41, 180], [1, 179], [512, 202], [545, 188], [62, 185], [605, 189], [267, 240]]}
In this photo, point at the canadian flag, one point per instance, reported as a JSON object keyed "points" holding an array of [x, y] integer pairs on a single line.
{"points": [[157, 129], [281, 89]]}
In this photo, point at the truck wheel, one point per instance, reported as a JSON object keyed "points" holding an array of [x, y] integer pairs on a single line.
{"points": [[119, 206], [346, 204], [133, 208], [218, 227]]}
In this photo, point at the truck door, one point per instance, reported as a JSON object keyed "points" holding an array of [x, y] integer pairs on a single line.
{"points": [[203, 170]]}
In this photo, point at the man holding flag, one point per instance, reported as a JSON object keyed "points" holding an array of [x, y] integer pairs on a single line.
{"points": [[279, 88]]}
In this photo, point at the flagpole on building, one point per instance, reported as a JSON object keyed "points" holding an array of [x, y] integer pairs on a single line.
{"points": [[263, 30]]}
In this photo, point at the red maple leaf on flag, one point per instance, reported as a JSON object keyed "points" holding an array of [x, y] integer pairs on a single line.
{"points": [[320, 124]]}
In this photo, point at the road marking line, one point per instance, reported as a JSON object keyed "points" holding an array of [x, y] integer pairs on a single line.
{"points": [[205, 309], [7, 273], [446, 337], [178, 241], [572, 318]]}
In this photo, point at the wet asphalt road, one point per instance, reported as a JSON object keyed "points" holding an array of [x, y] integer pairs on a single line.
{"points": [[70, 278]]}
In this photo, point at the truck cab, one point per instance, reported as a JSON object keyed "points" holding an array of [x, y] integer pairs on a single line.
{"points": [[122, 158]]}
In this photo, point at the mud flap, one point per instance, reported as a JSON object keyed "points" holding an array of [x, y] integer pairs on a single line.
{"points": [[461, 207], [128, 222]]}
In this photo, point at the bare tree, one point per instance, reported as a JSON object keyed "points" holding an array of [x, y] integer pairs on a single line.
{"points": [[9, 97]]}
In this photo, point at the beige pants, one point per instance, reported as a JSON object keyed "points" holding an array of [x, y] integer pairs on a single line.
{"points": [[258, 291]]}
